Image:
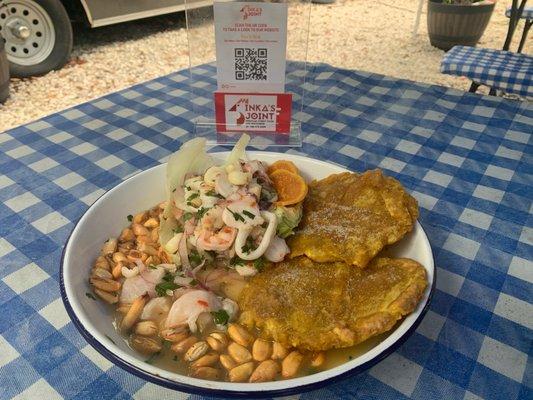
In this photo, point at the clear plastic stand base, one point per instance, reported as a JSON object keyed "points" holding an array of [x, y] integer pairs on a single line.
{"points": [[208, 130], [201, 40]]}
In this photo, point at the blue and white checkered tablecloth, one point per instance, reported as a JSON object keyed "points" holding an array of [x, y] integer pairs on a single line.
{"points": [[503, 70], [527, 13], [468, 159]]}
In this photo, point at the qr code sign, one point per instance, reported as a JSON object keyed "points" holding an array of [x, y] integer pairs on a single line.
{"points": [[250, 64]]}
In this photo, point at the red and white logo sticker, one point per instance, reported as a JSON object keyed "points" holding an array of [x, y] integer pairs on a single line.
{"points": [[253, 112], [249, 11]]}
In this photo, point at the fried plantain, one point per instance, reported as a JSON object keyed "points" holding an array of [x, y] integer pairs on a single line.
{"points": [[350, 217], [316, 307]]}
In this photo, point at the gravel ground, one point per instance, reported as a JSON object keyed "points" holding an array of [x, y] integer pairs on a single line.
{"points": [[356, 34]]}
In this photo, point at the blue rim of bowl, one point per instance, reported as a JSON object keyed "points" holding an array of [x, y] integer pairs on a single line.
{"points": [[168, 383]]}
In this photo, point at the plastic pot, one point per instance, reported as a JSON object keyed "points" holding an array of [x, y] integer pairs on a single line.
{"points": [[453, 24]]}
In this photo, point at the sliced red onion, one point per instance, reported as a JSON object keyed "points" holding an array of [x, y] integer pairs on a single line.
{"points": [[277, 250]]}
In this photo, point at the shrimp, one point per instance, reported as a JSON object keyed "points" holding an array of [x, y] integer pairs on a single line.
{"points": [[212, 234], [189, 306], [212, 219], [216, 240]]}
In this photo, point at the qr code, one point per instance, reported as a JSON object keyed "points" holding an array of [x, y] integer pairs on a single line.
{"points": [[250, 64]]}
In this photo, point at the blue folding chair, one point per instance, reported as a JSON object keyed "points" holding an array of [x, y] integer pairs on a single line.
{"points": [[498, 69]]}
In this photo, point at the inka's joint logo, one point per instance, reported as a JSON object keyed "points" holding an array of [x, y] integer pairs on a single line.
{"points": [[239, 107], [248, 11], [244, 111]]}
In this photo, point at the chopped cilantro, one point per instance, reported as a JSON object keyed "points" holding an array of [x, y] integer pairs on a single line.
{"points": [[220, 317], [161, 288], [350, 357], [179, 229], [212, 193], [248, 246], [187, 216], [259, 264], [201, 212], [188, 188], [173, 190], [238, 217], [152, 266], [90, 295], [195, 258], [130, 217], [236, 261], [248, 214], [166, 344], [193, 196], [168, 277], [194, 282], [166, 284]]}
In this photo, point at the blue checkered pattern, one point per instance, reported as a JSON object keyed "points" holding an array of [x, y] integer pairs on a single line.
{"points": [[498, 69], [527, 13], [468, 159]]}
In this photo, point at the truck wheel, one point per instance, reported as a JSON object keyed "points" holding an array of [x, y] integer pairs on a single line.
{"points": [[37, 35]]}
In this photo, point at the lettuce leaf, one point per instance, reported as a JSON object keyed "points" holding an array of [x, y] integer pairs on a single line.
{"points": [[190, 158], [239, 150], [288, 219]]}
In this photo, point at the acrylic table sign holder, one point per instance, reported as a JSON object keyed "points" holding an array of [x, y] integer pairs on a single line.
{"points": [[247, 44]]}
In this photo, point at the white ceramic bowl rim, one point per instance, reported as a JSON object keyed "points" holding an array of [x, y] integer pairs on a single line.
{"points": [[247, 390]]}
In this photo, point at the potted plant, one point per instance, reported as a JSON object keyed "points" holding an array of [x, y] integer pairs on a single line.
{"points": [[457, 22]]}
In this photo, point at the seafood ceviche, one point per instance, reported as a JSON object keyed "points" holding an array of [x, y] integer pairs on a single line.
{"points": [[229, 215], [176, 272]]}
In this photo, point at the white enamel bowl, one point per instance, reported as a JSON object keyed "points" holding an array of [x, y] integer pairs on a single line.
{"points": [[107, 217]]}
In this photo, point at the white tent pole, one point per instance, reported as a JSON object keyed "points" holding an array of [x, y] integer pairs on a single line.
{"points": [[417, 20]]}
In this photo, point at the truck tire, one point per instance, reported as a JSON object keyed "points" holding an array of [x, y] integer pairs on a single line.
{"points": [[37, 35], [4, 73]]}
